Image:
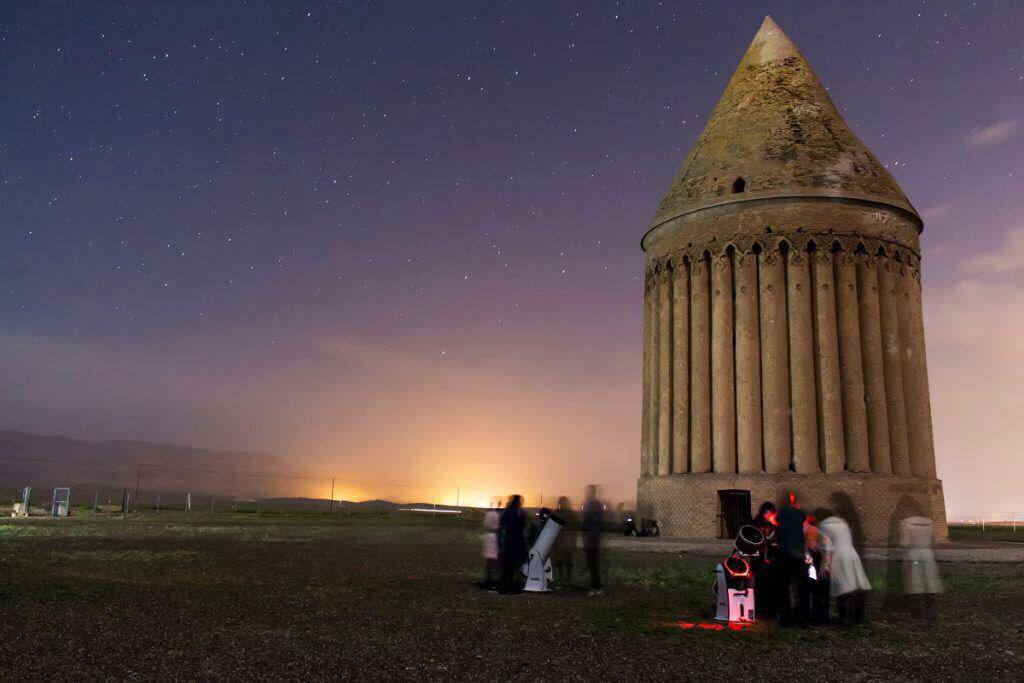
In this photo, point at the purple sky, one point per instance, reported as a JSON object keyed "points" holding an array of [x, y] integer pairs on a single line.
{"points": [[400, 241]]}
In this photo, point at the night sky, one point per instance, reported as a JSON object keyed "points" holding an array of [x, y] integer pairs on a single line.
{"points": [[399, 241]]}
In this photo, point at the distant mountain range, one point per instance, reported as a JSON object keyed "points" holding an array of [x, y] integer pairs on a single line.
{"points": [[104, 470], [48, 461]]}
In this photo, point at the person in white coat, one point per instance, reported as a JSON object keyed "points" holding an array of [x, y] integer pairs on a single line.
{"points": [[845, 571], [491, 523], [920, 573]]}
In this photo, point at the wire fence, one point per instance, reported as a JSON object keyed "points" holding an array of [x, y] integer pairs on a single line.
{"points": [[1000, 519], [121, 487], [113, 500]]}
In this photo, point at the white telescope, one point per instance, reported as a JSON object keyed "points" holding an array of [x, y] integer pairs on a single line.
{"points": [[538, 567]]}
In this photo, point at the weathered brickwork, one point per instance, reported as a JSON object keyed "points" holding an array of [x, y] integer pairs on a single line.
{"points": [[686, 505], [783, 329]]}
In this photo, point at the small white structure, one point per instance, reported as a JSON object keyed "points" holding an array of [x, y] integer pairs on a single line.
{"points": [[737, 603], [734, 577], [538, 567], [61, 502], [21, 509]]}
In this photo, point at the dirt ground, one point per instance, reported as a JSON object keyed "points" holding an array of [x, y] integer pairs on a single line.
{"points": [[391, 596]]}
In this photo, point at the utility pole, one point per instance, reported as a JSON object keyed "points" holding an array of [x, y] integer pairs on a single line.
{"points": [[331, 507], [458, 495], [138, 478]]}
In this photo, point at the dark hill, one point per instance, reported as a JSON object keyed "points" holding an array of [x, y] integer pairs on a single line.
{"points": [[47, 461]]}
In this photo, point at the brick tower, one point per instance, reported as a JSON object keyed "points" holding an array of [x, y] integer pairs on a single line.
{"points": [[783, 333]]}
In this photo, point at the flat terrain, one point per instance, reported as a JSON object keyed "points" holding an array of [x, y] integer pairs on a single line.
{"points": [[196, 595], [974, 533]]}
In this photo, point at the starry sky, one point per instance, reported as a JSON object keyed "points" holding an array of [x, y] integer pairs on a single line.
{"points": [[399, 241]]}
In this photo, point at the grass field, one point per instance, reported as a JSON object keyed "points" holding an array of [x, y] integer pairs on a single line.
{"points": [[993, 532], [394, 596]]}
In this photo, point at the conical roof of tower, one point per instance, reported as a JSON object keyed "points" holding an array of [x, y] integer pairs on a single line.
{"points": [[776, 133]]}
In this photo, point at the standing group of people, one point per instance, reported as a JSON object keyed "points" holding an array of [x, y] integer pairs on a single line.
{"points": [[507, 531], [807, 560]]}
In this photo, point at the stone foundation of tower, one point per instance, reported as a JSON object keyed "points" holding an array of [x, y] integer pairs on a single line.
{"points": [[687, 506]]}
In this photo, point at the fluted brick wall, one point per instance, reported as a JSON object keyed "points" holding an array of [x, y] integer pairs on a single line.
{"points": [[686, 505]]}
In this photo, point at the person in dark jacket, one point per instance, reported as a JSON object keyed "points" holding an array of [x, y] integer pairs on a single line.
{"points": [[764, 566], [791, 565], [818, 583], [593, 519], [512, 543]]}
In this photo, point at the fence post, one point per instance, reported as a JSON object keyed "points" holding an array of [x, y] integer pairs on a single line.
{"points": [[138, 478], [158, 501], [330, 508], [95, 502]]}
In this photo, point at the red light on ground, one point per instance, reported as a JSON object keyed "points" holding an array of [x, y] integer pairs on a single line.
{"points": [[711, 626]]}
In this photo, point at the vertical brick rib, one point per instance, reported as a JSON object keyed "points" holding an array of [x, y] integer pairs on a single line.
{"points": [[748, 365], [774, 361], [681, 368], [874, 365], [700, 367]]}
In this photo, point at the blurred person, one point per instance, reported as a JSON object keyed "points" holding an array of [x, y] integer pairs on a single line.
{"points": [[848, 582], [817, 544], [621, 514], [842, 506], [764, 566], [563, 555], [896, 602], [512, 543], [492, 522], [920, 572], [593, 520], [791, 565]]}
